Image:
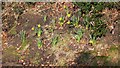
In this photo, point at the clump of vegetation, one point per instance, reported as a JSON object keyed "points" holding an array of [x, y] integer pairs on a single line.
{"points": [[90, 7], [68, 14], [23, 37], [75, 21], [62, 19], [38, 31], [96, 27], [92, 19], [24, 42]]}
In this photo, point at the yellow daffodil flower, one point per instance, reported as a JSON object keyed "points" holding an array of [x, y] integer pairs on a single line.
{"points": [[74, 24], [38, 35], [39, 25], [91, 41], [33, 28], [61, 23], [60, 18], [64, 7], [68, 22], [68, 15]]}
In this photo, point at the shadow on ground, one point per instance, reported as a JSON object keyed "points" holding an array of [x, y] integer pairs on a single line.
{"points": [[87, 59]]}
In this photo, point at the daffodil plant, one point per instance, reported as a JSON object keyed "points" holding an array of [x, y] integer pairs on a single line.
{"points": [[23, 40], [67, 11], [92, 39], [54, 40], [45, 18], [39, 43], [79, 35], [61, 21], [38, 30], [75, 21], [23, 37]]}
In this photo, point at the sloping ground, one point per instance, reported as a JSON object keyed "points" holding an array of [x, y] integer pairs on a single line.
{"points": [[64, 51]]}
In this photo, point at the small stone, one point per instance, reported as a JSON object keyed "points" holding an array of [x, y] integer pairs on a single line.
{"points": [[48, 57], [42, 64], [48, 62], [41, 58], [98, 53], [24, 63]]}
